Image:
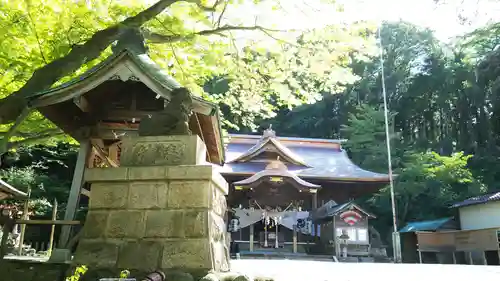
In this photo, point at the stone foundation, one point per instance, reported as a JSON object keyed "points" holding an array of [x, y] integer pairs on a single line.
{"points": [[25, 270], [158, 216]]}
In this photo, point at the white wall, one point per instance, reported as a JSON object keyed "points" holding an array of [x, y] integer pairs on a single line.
{"points": [[480, 216]]}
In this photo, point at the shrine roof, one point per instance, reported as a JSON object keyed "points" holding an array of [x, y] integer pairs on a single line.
{"points": [[125, 65], [8, 191], [326, 159], [331, 208], [278, 169], [122, 65]]}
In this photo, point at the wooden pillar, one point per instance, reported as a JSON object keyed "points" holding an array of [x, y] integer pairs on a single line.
{"points": [[53, 228], [74, 194], [113, 152], [251, 238], [23, 226], [315, 201], [334, 229], [314, 207], [295, 238]]}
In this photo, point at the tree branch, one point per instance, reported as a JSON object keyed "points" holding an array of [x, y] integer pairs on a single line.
{"points": [[161, 38], [4, 147], [222, 14], [44, 77], [35, 138], [214, 6], [31, 135], [28, 7]]}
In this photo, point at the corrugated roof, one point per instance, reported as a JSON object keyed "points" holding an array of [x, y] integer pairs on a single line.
{"points": [[6, 191], [431, 225], [481, 199]]}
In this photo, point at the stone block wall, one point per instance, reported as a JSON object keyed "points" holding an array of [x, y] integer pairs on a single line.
{"points": [[157, 217]]}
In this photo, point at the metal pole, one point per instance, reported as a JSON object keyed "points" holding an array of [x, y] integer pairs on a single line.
{"points": [[395, 236]]}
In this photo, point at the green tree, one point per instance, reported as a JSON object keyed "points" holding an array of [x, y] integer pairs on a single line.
{"points": [[48, 42], [367, 141], [426, 183], [425, 186], [47, 170]]}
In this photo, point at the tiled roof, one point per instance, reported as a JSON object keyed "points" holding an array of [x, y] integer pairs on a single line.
{"points": [[481, 199], [325, 162], [331, 208]]}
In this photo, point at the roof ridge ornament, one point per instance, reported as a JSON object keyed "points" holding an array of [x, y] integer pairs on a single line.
{"points": [[269, 132], [276, 165]]}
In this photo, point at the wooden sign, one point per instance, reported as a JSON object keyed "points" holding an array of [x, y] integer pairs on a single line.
{"points": [[351, 217]]}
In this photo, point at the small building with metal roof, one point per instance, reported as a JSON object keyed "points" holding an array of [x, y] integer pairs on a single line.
{"points": [[430, 225], [479, 212]]}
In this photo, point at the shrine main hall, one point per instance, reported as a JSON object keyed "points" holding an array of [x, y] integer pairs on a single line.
{"points": [[295, 196]]}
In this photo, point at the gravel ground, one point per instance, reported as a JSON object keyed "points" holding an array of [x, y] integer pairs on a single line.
{"points": [[291, 270]]}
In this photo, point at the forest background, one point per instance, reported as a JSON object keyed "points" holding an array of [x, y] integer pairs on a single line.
{"points": [[318, 82]]}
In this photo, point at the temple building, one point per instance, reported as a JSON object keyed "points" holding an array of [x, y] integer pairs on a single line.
{"points": [[294, 195]]}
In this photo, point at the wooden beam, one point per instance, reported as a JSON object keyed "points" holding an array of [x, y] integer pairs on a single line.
{"points": [[104, 157], [49, 222], [113, 152], [198, 124], [82, 103], [85, 192], [74, 194], [97, 143]]}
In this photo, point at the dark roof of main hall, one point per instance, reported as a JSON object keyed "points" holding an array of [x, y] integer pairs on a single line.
{"points": [[326, 159]]}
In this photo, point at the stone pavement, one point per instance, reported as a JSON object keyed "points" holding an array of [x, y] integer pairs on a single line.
{"points": [[291, 270]]}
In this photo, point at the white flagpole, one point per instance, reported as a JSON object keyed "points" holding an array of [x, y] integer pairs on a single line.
{"points": [[395, 235]]}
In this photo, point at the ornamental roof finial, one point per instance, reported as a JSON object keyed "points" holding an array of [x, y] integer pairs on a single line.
{"points": [[269, 133]]}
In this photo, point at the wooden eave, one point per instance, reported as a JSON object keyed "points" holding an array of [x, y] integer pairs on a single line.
{"points": [[328, 211], [270, 144], [352, 205], [258, 177], [124, 66], [320, 178], [8, 191]]}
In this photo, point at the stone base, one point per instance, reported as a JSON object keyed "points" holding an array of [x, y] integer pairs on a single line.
{"points": [[60, 256], [163, 150], [159, 217]]}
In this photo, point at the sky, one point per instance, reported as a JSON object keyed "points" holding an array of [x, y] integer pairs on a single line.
{"points": [[305, 14]]}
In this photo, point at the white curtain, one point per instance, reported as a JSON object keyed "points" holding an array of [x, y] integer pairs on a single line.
{"points": [[288, 219], [247, 217]]}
